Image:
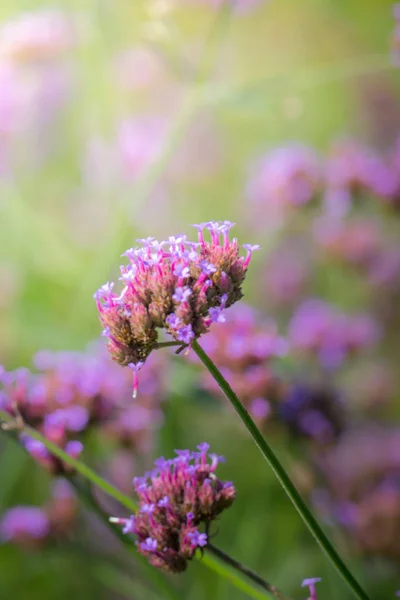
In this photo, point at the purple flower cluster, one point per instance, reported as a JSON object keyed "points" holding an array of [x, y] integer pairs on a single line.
{"points": [[175, 498], [317, 328], [32, 526], [71, 391], [243, 348], [176, 285]]}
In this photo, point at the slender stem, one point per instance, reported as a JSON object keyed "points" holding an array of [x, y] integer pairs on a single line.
{"points": [[161, 345], [276, 593], [228, 571], [281, 474]]}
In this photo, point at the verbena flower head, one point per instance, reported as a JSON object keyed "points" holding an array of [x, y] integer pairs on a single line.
{"points": [[176, 285], [311, 583], [175, 498]]}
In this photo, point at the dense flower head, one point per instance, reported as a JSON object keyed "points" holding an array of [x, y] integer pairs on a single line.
{"points": [[361, 489], [316, 413], [243, 348], [68, 392], [175, 285], [289, 176], [178, 496], [32, 526], [317, 328]]}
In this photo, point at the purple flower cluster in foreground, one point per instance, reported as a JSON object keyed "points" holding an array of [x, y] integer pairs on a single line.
{"points": [[72, 391], [32, 526], [175, 498], [176, 285], [317, 328]]}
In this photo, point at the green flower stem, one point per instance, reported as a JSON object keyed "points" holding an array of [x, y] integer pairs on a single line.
{"points": [[281, 474], [228, 570]]}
